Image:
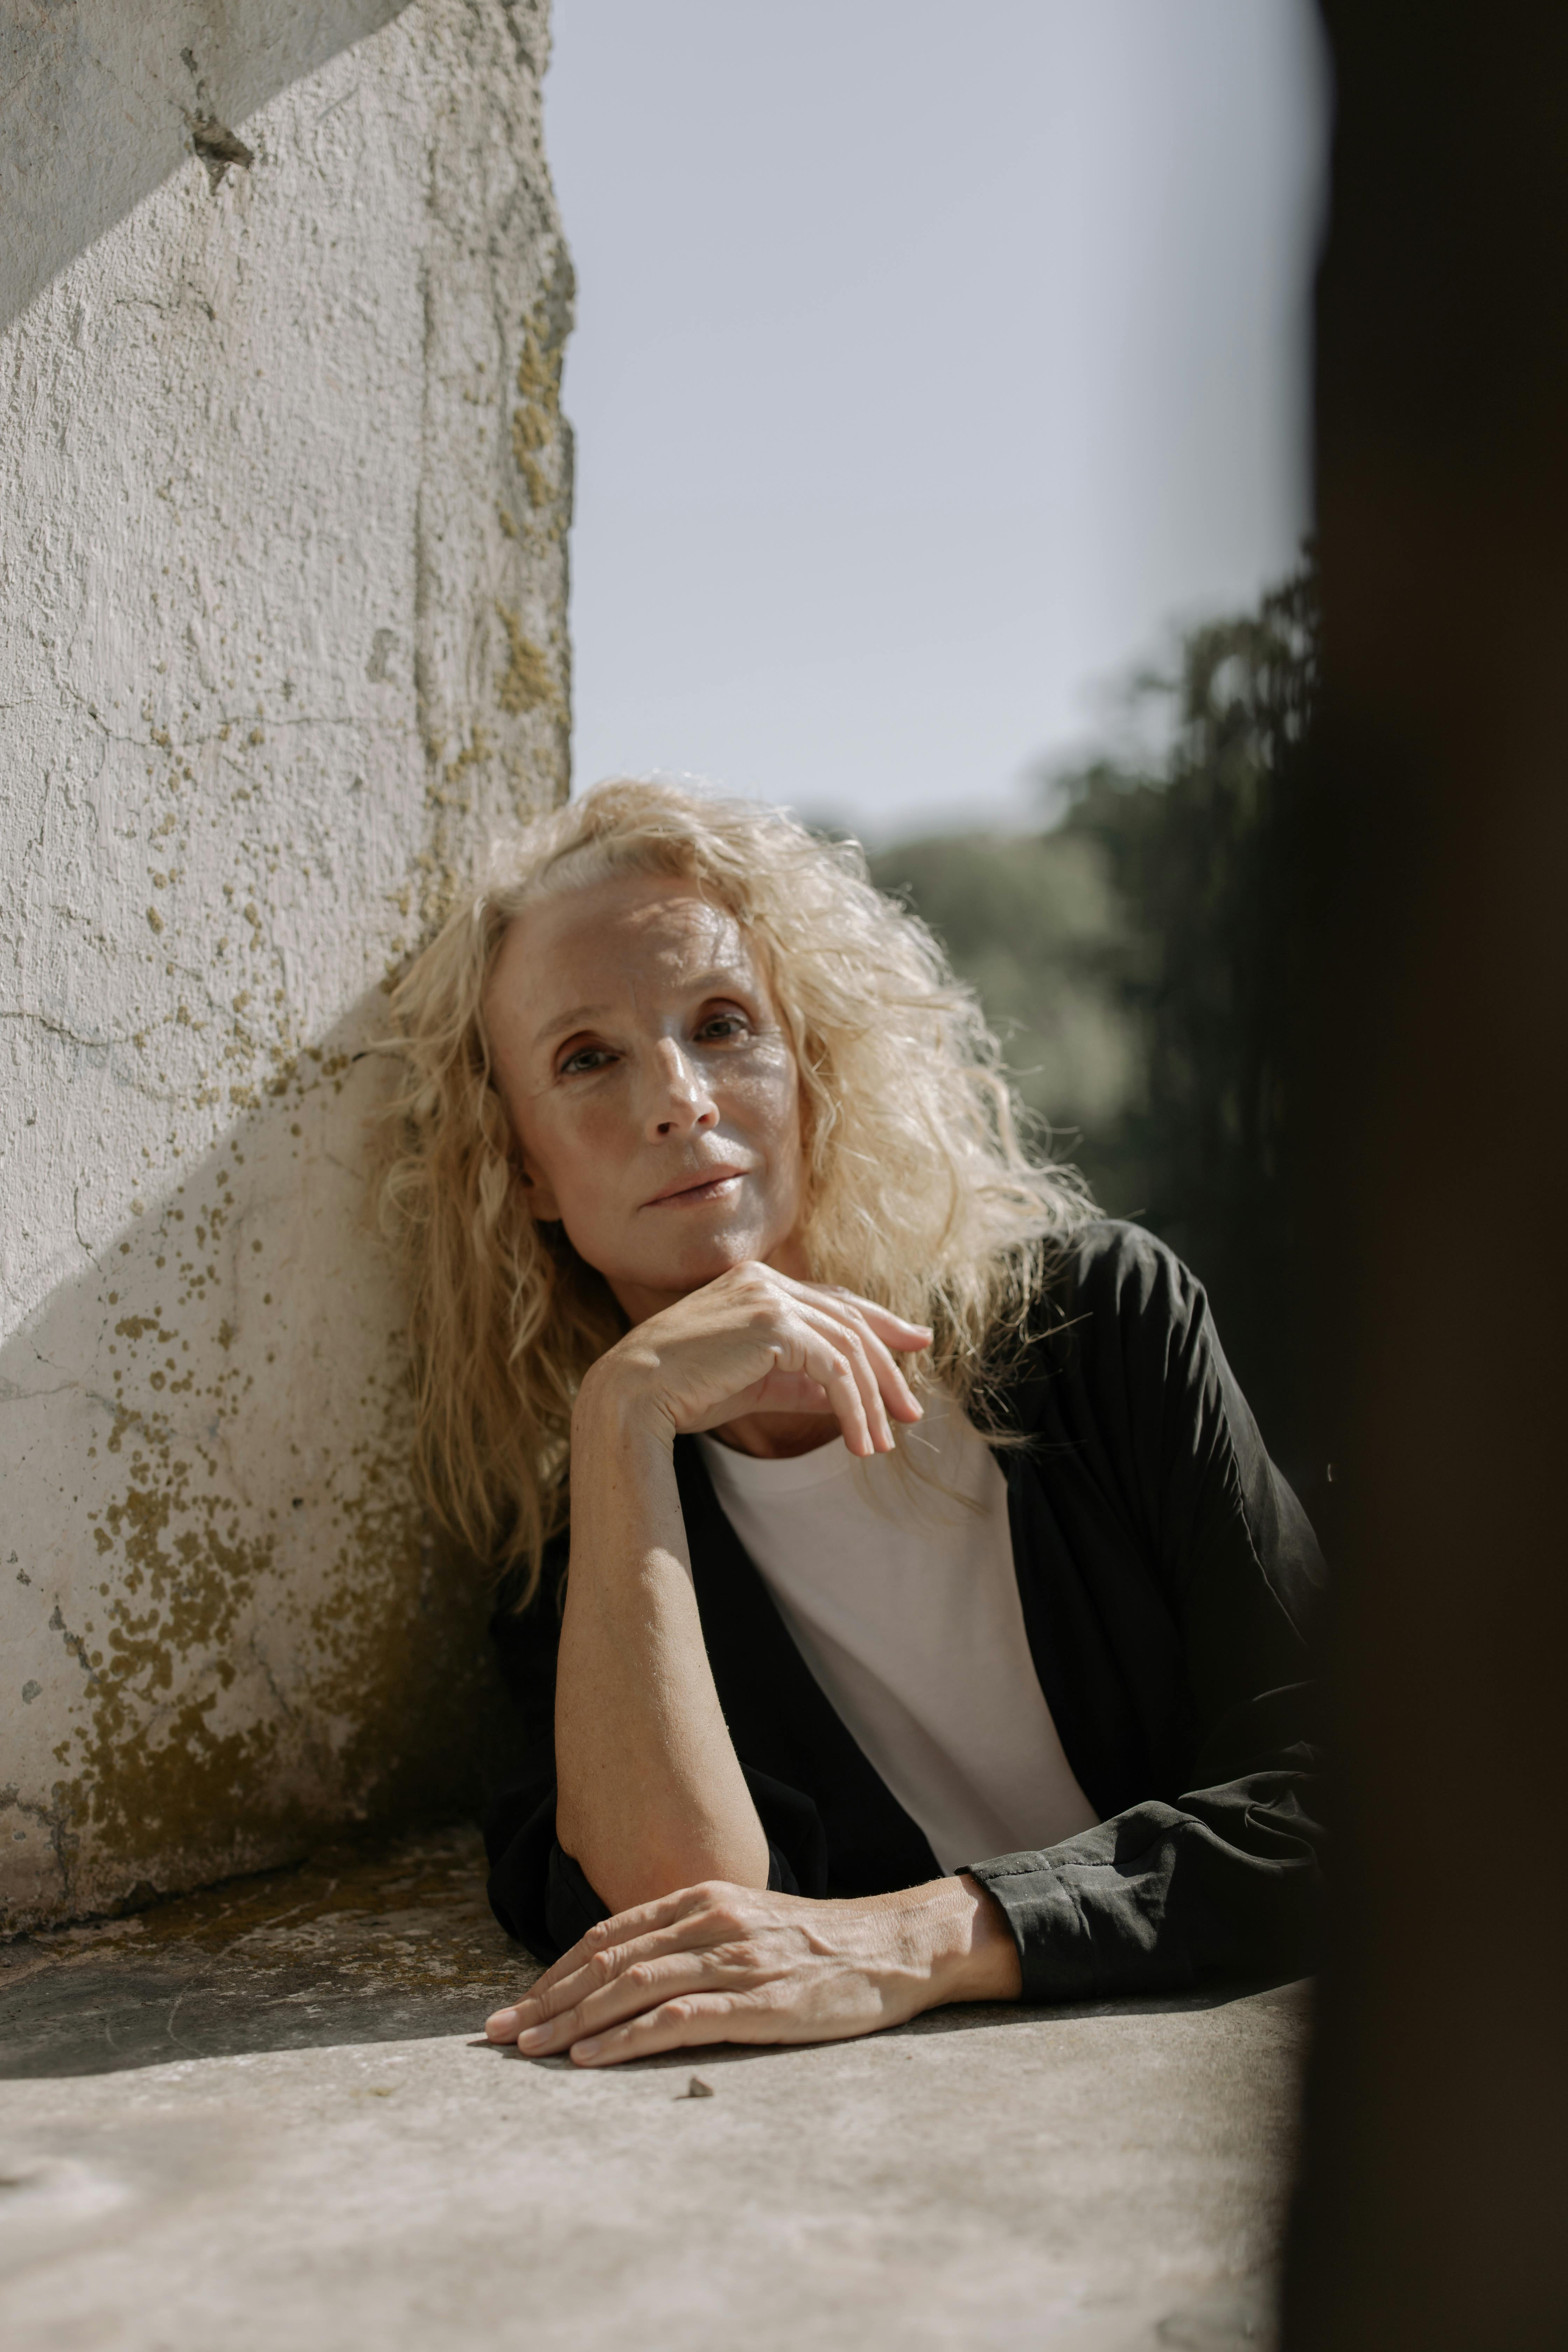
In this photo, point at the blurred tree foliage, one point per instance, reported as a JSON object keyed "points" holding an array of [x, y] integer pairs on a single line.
{"points": [[1140, 959]]}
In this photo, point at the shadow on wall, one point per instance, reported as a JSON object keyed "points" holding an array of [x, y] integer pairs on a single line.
{"points": [[67, 62], [235, 1630]]}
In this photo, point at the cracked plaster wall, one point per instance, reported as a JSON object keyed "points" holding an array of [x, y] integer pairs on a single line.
{"points": [[284, 486]]}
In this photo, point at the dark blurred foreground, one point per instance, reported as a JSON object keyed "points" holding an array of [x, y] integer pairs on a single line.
{"points": [[1437, 1284]]}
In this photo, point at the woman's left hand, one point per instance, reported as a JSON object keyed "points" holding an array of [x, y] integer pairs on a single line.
{"points": [[722, 1963]]}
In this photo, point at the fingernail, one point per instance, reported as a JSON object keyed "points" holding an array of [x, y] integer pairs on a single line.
{"points": [[589, 2049], [534, 2039], [503, 2024]]}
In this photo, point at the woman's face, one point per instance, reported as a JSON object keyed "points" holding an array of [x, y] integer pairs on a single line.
{"points": [[650, 1087]]}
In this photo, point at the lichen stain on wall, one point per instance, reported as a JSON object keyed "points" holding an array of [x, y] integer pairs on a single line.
{"points": [[269, 1641], [527, 665], [526, 682], [289, 647]]}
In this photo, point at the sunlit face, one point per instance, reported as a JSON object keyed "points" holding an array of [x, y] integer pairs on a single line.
{"points": [[650, 1087]]}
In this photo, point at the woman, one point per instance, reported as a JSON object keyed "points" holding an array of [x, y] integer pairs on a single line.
{"points": [[929, 1625]]}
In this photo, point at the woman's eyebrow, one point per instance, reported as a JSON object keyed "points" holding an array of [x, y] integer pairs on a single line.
{"points": [[559, 1022], [723, 980]]}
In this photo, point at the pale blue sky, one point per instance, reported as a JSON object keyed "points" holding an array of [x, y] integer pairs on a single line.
{"points": [[932, 362]]}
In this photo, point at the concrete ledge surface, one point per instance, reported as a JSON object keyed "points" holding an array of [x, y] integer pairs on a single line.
{"points": [[1100, 2180]]}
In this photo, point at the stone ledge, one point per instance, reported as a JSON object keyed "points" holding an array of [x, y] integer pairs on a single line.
{"points": [[335, 2159], [390, 1941]]}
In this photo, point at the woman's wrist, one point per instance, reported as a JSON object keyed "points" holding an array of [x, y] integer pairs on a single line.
{"points": [[613, 1408], [626, 1506], [970, 1952]]}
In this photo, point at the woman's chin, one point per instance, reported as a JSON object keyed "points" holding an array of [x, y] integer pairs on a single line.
{"points": [[700, 1259], [699, 1265]]}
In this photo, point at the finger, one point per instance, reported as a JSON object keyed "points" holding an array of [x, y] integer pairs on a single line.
{"points": [[688, 2023], [894, 1394], [623, 1926], [883, 1335], [804, 1351], [879, 1326], [567, 1987], [830, 1364], [897, 1395], [843, 1334], [647, 1985], [907, 1338], [536, 2017]]}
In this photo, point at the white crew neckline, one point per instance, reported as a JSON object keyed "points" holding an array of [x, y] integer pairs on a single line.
{"points": [[776, 1474]]}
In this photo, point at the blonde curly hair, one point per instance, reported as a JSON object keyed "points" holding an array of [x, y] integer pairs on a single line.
{"points": [[920, 1191]]}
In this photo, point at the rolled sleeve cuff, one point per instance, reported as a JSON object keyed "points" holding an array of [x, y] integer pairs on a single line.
{"points": [[1057, 1957]]}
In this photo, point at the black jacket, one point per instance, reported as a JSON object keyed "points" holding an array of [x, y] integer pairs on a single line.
{"points": [[1167, 1575]]}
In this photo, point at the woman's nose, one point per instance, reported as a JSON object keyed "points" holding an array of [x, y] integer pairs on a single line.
{"points": [[679, 1096]]}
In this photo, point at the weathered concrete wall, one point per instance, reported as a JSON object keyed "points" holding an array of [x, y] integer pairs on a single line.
{"points": [[284, 489]]}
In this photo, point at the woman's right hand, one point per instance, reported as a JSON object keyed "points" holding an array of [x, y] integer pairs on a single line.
{"points": [[756, 1340]]}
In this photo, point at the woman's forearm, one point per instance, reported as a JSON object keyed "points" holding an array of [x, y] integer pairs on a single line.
{"points": [[650, 1796]]}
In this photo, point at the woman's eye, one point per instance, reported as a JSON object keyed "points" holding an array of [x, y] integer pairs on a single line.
{"points": [[725, 1024], [586, 1057]]}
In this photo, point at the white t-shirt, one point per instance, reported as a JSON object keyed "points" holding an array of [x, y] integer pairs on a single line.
{"points": [[904, 1603]]}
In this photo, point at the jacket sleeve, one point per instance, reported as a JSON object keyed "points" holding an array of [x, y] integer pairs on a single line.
{"points": [[1214, 1876]]}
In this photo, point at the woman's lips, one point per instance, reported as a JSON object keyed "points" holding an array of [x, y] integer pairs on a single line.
{"points": [[695, 1190]]}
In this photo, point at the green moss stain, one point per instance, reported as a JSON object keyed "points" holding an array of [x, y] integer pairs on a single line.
{"points": [[153, 1775], [394, 1712], [538, 441], [259, 1667], [527, 683]]}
